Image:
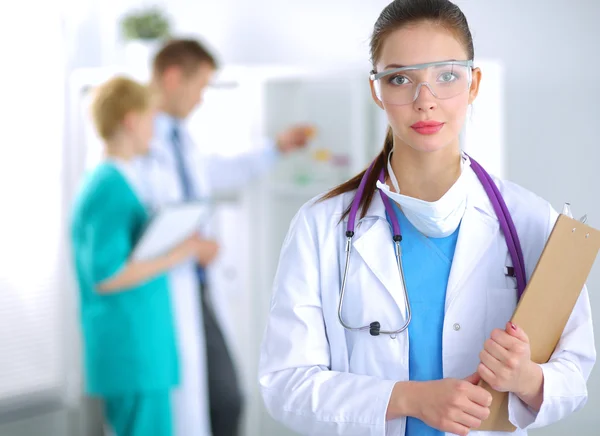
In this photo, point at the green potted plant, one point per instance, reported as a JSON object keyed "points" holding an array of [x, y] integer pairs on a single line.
{"points": [[142, 31]]}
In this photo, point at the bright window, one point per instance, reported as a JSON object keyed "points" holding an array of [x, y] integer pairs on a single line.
{"points": [[32, 256]]}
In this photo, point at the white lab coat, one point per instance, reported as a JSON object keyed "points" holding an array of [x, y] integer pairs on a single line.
{"points": [[207, 173], [319, 379]]}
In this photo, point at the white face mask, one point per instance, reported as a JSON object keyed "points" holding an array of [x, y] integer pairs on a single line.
{"points": [[436, 219]]}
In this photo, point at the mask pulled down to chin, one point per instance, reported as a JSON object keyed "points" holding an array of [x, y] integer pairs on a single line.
{"points": [[436, 219]]}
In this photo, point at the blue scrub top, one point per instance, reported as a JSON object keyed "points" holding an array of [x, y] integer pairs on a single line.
{"points": [[128, 337], [427, 263]]}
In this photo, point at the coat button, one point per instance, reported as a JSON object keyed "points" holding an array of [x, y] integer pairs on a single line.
{"points": [[457, 326]]}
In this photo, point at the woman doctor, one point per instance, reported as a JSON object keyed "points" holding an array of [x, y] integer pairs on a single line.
{"points": [[345, 351]]}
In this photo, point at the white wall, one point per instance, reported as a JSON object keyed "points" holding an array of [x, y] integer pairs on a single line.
{"points": [[262, 31], [268, 31]]}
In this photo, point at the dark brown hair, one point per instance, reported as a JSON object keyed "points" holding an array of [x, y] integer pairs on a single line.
{"points": [[187, 54], [398, 14]]}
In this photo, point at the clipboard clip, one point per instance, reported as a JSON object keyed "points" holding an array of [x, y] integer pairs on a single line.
{"points": [[567, 211]]}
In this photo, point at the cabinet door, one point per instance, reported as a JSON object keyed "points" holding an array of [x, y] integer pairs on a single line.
{"points": [[337, 104]]}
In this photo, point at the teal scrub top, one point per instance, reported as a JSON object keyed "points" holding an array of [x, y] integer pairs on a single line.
{"points": [[128, 336], [427, 263]]}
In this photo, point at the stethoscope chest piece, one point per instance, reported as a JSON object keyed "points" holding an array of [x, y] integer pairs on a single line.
{"points": [[375, 328]]}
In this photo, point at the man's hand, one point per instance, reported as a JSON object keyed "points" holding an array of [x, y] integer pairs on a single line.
{"points": [[203, 250], [206, 251], [295, 137]]}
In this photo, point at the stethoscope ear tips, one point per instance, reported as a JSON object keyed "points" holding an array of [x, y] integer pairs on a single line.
{"points": [[374, 328]]}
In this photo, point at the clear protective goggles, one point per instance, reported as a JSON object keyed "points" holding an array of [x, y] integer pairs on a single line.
{"points": [[400, 86]]}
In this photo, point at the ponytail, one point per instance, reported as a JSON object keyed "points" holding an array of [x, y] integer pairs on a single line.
{"points": [[371, 185]]}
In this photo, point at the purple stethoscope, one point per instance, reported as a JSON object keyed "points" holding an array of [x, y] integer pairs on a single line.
{"points": [[506, 225]]}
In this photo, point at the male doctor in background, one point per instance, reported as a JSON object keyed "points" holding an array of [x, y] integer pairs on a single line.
{"points": [[181, 71]]}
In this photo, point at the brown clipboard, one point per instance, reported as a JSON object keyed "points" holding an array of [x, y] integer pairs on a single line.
{"points": [[548, 300]]}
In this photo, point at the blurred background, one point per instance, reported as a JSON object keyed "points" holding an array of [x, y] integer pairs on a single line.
{"points": [[282, 62]]}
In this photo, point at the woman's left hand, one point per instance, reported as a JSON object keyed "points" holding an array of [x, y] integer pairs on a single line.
{"points": [[506, 361]]}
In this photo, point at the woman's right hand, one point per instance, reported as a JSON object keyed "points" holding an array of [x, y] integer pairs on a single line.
{"points": [[136, 272], [452, 405]]}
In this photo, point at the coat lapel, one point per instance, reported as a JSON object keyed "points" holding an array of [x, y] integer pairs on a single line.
{"points": [[478, 229]]}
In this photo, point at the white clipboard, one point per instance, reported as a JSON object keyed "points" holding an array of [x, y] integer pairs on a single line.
{"points": [[169, 227]]}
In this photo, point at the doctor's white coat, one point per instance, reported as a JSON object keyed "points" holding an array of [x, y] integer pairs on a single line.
{"points": [[319, 379], [207, 174]]}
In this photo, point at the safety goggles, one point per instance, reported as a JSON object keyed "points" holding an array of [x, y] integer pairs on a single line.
{"points": [[400, 86]]}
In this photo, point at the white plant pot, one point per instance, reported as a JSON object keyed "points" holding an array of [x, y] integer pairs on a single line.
{"points": [[138, 54]]}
